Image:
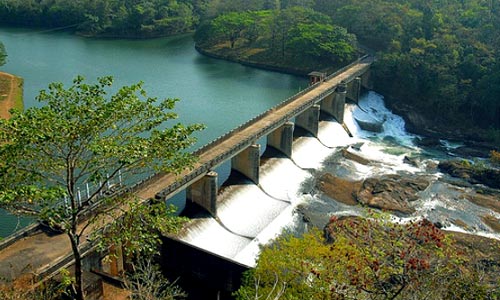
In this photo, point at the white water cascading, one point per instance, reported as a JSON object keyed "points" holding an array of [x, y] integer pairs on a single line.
{"points": [[250, 215]]}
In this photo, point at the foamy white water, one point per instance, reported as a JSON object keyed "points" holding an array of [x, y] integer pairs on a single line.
{"points": [[252, 215]]}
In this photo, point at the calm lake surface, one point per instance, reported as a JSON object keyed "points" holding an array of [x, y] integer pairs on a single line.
{"points": [[219, 94]]}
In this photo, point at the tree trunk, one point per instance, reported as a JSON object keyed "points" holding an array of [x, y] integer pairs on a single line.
{"points": [[78, 267]]}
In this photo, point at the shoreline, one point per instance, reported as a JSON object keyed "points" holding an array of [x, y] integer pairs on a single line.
{"points": [[254, 64], [415, 122], [11, 94]]}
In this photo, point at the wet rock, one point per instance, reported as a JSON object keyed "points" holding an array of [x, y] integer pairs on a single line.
{"points": [[357, 146], [491, 222], [460, 223], [472, 151], [428, 142], [355, 157], [412, 161], [471, 173], [431, 166], [439, 225], [310, 217], [339, 189], [391, 192], [489, 201], [370, 124]]}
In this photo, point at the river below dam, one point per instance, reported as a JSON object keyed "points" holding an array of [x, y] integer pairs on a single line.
{"points": [[289, 196]]}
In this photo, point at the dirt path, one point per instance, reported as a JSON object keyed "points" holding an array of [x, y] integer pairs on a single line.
{"points": [[8, 102]]}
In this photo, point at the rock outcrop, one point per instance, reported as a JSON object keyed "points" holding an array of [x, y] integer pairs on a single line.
{"points": [[391, 192], [474, 175]]}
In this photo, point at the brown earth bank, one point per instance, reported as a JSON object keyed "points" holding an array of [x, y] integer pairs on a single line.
{"points": [[257, 58], [10, 90]]}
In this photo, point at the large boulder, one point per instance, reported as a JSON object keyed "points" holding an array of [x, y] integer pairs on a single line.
{"points": [[355, 157], [339, 189], [471, 173], [370, 124], [391, 192]]}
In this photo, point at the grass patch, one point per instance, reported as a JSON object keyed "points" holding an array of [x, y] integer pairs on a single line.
{"points": [[18, 93], [4, 87]]}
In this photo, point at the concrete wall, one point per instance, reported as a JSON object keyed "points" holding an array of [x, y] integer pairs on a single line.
{"points": [[247, 162], [204, 192], [282, 139], [334, 104], [309, 120], [354, 89]]}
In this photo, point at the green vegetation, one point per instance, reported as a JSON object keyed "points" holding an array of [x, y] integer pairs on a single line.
{"points": [[145, 18], [3, 54], [367, 258], [438, 58], [18, 94], [82, 138], [298, 37]]}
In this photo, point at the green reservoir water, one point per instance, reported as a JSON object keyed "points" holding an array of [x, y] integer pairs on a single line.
{"points": [[219, 94]]}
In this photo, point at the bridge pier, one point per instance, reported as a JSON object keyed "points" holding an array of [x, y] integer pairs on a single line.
{"points": [[204, 192], [247, 162], [354, 90], [366, 79], [282, 139], [334, 104], [309, 120]]}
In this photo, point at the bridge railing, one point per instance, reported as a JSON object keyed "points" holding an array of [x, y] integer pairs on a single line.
{"points": [[244, 143], [277, 106]]}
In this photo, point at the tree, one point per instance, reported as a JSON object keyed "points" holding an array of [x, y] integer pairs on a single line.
{"points": [[361, 258], [232, 25], [322, 41], [3, 55], [84, 140], [148, 283]]}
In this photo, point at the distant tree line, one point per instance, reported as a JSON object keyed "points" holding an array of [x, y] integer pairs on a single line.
{"points": [[134, 18], [439, 57]]}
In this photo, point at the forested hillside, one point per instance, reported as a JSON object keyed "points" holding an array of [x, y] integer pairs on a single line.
{"points": [[439, 58], [295, 39]]}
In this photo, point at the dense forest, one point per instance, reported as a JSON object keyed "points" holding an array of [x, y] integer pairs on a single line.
{"points": [[295, 39], [439, 58]]}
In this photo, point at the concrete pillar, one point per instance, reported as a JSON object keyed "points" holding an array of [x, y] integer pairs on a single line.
{"points": [[309, 120], [339, 103], [366, 80], [355, 90], [247, 162], [204, 193], [282, 139], [334, 104], [326, 105]]}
